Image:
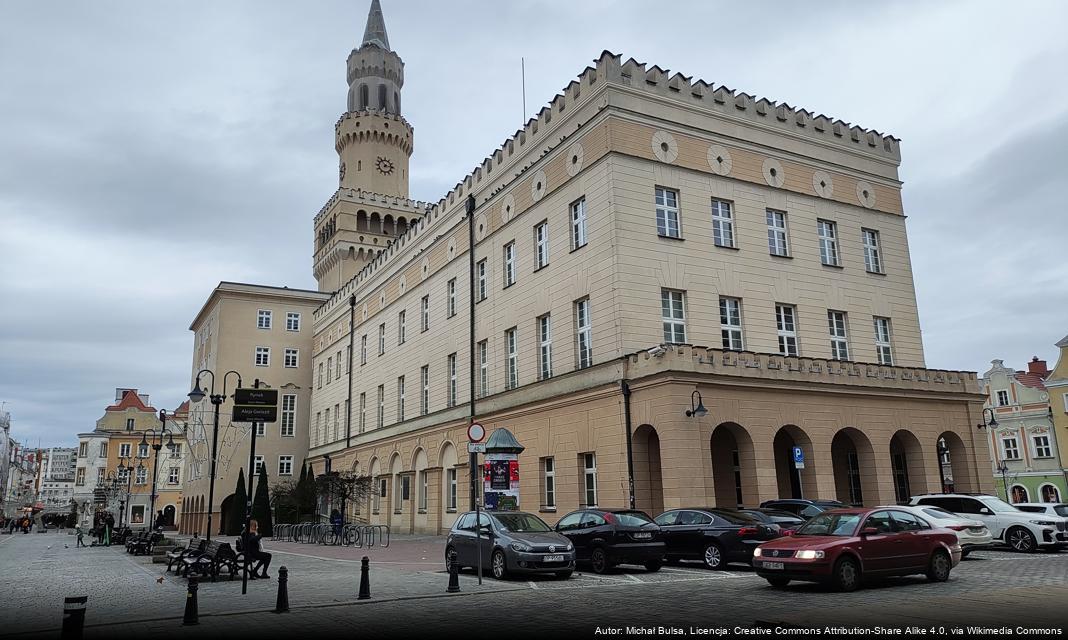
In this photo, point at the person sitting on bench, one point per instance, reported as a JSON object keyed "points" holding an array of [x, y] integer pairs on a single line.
{"points": [[254, 552]]}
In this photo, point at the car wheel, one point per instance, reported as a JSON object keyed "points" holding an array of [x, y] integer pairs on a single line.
{"points": [[450, 556], [938, 568], [599, 561], [778, 583], [847, 574], [564, 575], [499, 565], [653, 566], [713, 557], [1021, 540]]}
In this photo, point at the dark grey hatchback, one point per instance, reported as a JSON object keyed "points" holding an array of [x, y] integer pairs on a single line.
{"points": [[512, 542]]}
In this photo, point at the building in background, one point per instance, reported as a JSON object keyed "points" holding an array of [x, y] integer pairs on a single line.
{"points": [[55, 478], [21, 487], [263, 333], [1026, 463], [6, 448], [1056, 384]]}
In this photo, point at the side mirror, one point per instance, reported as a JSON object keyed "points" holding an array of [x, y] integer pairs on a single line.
{"points": [[869, 531], [984, 511], [788, 532]]}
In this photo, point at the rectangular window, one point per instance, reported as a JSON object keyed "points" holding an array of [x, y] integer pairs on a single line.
{"points": [[452, 379], [424, 386], [348, 358], [426, 313], [129, 424], [828, 233], [363, 412], [174, 477], [83, 450], [730, 323], [100, 475], [836, 321], [674, 316], [319, 437], [451, 500], [79, 477], [545, 346], [177, 452], [451, 290], [291, 359], [382, 339], [509, 264], [381, 405], [786, 324], [424, 486], [142, 451], [578, 224], [483, 368], [292, 321], [103, 449], [329, 366], [583, 334], [548, 469], [263, 356], [541, 245], [1010, 448], [326, 427], [285, 465], [777, 244], [483, 287], [140, 475], [289, 415], [320, 382], [337, 366], [400, 327], [512, 363], [124, 450], [263, 319], [363, 349], [882, 340], [872, 260], [258, 464], [1003, 398], [1042, 446], [667, 213], [261, 429], [400, 399], [722, 224], [589, 474]]}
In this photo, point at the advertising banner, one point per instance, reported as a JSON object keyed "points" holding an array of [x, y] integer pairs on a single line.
{"points": [[501, 482]]}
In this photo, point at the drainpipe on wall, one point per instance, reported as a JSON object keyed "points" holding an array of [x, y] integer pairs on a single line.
{"points": [[625, 388], [348, 405]]}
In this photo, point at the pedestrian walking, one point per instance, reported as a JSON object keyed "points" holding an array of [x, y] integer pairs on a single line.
{"points": [[81, 534], [254, 551], [109, 524], [337, 523]]}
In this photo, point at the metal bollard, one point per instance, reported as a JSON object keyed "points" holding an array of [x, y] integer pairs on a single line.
{"points": [[365, 585], [454, 576], [282, 604], [73, 618], [192, 615]]}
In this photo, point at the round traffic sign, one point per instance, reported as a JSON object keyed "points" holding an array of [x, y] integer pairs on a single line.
{"points": [[476, 432]]}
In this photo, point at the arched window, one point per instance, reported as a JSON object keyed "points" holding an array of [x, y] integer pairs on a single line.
{"points": [[1050, 493], [1019, 494], [364, 96], [382, 97]]}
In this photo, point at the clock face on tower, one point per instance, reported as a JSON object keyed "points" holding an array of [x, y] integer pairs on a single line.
{"points": [[384, 165]]}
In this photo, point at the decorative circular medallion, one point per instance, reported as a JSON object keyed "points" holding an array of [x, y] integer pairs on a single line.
{"points": [[719, 159], [426, 268], [452, 248], [365, 312], [573, 159], [865, 194], [821, 182], [402, 284], [538, 186], [384, 165], [481, 226], [664, 147], [507, 208], [773, 172]]}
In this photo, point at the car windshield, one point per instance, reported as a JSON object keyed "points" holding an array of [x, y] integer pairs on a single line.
{"points": [[830, 524], [1062, 510], [633, 519], [522, 523], [997, 505], [936, 512]]}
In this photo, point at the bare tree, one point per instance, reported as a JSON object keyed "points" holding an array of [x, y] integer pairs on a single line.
{"points": [[340, 488]]}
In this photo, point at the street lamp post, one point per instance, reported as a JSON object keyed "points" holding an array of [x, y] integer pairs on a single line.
{"points": [[196, 395], [156, 444], [1003, 469], [942, 450], [126, 466]]}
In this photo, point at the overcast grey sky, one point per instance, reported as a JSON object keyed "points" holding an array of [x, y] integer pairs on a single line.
{"points": [[150, 150]]}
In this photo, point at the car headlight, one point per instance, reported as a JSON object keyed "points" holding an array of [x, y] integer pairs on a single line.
{"points": [[757, 553], [570, 547], [521, 546], [1044, 523], [809, 554]]}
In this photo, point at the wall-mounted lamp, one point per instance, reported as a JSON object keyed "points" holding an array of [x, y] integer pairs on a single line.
{"points": [[697, 407], [987, 422]]}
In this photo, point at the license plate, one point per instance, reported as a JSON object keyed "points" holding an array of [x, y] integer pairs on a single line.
{"points": [[773, 565], [552, 559], [642, 536]]}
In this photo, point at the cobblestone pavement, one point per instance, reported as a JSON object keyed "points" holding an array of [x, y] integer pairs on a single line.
{"points": [[991, 588]]}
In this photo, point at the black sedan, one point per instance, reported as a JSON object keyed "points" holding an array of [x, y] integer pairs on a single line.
{"points": [[783, 519], [713, 536], [804, 508], [607, 537]]}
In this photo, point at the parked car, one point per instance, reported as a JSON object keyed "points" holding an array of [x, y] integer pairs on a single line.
{"points": [[512, 542], [713, 536], [845, 546], [804, 508], [604, 538], [971, 534], [786, 521], [1054, 509], [1023, 531]]}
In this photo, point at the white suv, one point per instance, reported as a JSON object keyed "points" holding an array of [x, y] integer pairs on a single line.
{"points": [[1026, 532]]}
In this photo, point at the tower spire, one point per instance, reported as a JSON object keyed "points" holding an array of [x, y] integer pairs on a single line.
{"points": [[375, 32]]}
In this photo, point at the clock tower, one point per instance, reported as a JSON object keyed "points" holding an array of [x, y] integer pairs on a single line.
{"points": [[371, 207]]}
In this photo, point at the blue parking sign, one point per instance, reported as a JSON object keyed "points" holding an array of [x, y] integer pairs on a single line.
{"points": [[799, 458]]}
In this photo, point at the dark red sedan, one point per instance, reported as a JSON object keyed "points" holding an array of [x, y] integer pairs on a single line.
{"points": [[844, 546]]}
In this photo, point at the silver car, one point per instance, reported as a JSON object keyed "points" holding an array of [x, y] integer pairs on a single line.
{"points": [[511, 542], [971, 534]]}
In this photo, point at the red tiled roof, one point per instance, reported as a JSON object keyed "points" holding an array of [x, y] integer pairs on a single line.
{"points": [[1032, 380], [182, 410], [130, 400]]}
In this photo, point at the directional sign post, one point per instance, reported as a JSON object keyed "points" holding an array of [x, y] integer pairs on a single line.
{"points": [[255, 405]]}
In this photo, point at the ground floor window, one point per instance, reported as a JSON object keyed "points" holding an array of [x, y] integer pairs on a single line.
{"points": [[1019, 494], [137, 514], [1050, 493], [901, 478], [856, 496]]}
